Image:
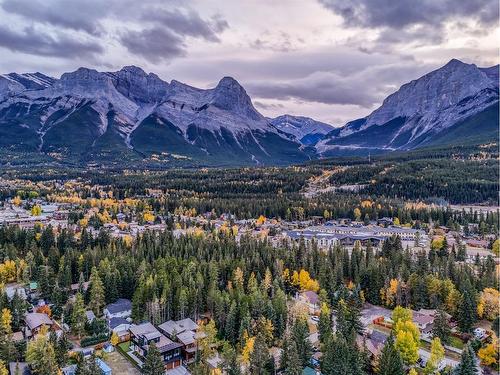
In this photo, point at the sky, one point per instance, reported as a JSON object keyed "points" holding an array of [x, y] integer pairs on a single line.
{"points": [[333, 60]]}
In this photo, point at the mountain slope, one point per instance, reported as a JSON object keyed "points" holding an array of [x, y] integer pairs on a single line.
{"points": [[421, 111], [88, 116], [306, 130]]}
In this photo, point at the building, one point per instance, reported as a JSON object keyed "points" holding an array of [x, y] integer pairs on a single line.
{"points": [[35, 321], [183, 331], [326, 236], [120, 326], [143, 335], [122, 308]]}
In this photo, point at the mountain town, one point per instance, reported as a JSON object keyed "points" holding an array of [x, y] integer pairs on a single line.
{"points": [[249, 187]]}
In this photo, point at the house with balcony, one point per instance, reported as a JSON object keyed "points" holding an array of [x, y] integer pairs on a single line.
{"points": [[144, 334], [183, 331]]}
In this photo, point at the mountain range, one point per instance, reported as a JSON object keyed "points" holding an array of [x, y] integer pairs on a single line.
{"points": [[131, 118]]}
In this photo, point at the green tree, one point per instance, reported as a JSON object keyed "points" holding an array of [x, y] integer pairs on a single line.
{"points": [[467, 365], [153, 363], [88, 366], [290, 361], [78, 317], [96, 292], [230, 364], [41, 356], [300, 334], [390, 362], [348, 321], [325, 323], [441, 327], [259, 358], [437, 354], [467, 309]]}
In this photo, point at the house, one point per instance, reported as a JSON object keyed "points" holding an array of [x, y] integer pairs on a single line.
{"points": [[35, 321], [184, 332], [143, 335], [423, 321], [69, 370], [20, 368], [122, 308], [120, 326], [311, 299], [75, 288], [105, 369], [12, 290]]}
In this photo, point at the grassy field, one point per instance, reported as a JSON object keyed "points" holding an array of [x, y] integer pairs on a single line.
{"points": [[120, 365]]}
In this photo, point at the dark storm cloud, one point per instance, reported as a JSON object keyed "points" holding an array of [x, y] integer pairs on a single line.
{"points": [[153, 29], [76, 15], [188, 23], [36, 42], [403, 13], [154, 44]]}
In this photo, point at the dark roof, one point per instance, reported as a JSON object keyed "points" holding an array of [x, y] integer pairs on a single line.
{"points": [[119, 306], [115, 322]]}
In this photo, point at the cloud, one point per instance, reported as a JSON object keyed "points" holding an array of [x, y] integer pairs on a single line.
{"points": [[268, 106], [36, 42], [365, 88], [188, 23], [154, 44], [277, 42], [71, 14], [403, 13]]}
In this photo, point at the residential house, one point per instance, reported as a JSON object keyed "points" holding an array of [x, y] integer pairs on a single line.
{"points": [[120, 326], [184, 332], [311, 299], [122, 308], [35, 321], [143, 335], [423, 321]]}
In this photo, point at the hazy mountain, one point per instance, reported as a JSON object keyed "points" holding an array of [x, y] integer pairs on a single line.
{"points": [[457, 97], [305, 129], [115, 117]]}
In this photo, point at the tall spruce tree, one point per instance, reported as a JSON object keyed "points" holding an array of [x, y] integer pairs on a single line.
{"points": [[467, 365], [153, 364], [390, 362], [441, 327]]}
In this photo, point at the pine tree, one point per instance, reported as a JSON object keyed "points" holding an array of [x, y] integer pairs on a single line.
{"points": [[348, 321], [230, 363], [96, 292], [300, 334], [325, 323], [259, 358], [467, 365], [390, 362], [41, 356], [78, 317], [441, 327], [293, 363], [467, 309], [153, 364]]}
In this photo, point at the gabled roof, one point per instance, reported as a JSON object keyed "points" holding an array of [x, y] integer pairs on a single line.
{"points": [[115, 322], [121, 305], [35, 320]]}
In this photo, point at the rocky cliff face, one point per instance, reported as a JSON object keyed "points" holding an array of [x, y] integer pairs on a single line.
{"points": [[135, 113], [305, 129], [421, 109]]}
